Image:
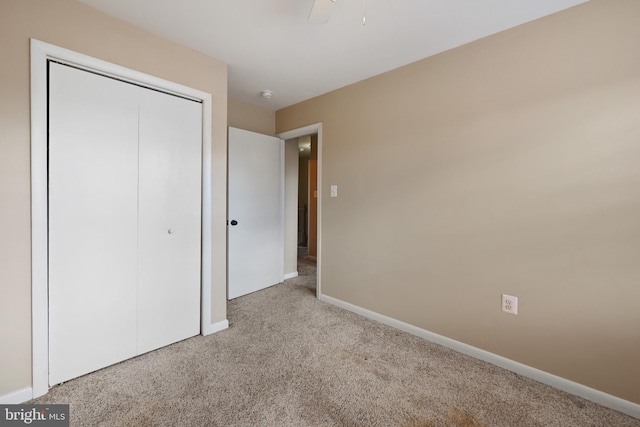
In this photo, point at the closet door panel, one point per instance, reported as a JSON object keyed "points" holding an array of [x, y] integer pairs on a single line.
{"points": [[93, 169], [169, 219]]}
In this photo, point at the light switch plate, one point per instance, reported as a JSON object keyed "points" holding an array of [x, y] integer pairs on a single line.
{"points": [[334, 191]]}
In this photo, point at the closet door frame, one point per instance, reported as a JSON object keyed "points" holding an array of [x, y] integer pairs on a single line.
{"points": [[41, 53]]}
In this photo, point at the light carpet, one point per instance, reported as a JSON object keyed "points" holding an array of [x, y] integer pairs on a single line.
{"points": [[289, 359]]}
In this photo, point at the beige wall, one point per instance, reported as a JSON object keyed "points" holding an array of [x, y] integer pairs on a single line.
{"points": [[507, 165], [243, 115], [77, 27]]}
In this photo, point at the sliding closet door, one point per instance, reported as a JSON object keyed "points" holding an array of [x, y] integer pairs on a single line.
{"points": [[169, 219], [93, 202]]}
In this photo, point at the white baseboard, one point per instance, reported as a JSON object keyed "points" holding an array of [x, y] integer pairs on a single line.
{"points": [[215, 327], [18, 396], [290, 275], [604, 399]]}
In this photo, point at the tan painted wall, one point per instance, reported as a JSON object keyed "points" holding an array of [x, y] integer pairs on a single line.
{"points": [[507, 165], [243, 115], [80, 28]]}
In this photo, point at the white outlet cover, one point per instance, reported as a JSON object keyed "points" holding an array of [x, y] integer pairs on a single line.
{"points": [[509, 304], [334, 191]]}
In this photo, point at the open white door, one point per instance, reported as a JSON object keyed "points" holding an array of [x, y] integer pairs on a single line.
{"points": [[256, 212]]}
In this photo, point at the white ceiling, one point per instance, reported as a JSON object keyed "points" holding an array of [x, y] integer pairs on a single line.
{"points": [[269, 45]]}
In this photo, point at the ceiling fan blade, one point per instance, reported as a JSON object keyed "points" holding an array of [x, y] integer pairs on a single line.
{"points": [[320, 11]]}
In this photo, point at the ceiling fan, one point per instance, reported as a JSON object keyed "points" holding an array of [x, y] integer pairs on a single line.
{"points": [[320, 11]]}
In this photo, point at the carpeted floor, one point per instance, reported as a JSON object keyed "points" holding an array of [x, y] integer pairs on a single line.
{"points": [[289, 359]]}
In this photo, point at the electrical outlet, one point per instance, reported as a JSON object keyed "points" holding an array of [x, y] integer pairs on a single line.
{"points": [[509, 304]]}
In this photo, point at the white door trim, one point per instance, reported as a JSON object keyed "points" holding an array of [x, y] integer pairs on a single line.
{"points": [[297, 133], [40, 53]]}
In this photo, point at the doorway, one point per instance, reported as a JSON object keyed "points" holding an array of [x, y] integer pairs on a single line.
{"points": [[314, 132], [307, 196]]}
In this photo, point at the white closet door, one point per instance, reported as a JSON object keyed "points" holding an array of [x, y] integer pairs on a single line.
{"points": [[124, 221], [169, 219], [93, 200]]}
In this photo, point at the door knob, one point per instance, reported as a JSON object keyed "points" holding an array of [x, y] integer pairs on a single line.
{"points": [[170, 231], [234, 222]]}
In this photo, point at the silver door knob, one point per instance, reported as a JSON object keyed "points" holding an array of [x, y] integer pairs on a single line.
{"points": [[170, 231]]}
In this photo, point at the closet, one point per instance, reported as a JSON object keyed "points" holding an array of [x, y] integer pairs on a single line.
{"points": [[124, 201]]}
